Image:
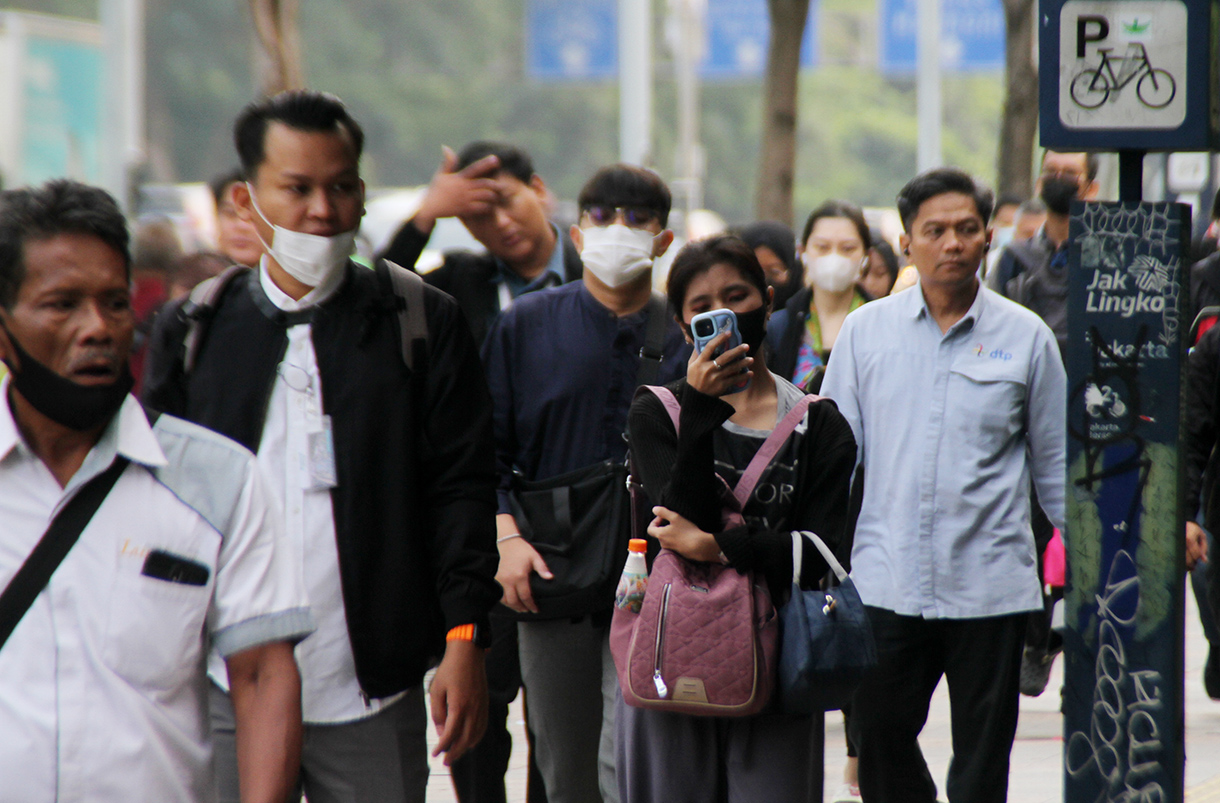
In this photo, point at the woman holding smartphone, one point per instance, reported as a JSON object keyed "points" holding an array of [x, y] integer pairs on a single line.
{"points": [[664, 756]]}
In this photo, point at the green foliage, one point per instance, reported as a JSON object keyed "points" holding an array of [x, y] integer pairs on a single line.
{"points": [[422, 73]]}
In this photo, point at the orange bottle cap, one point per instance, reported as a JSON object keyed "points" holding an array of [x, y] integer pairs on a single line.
{"points": [[637, 545]]}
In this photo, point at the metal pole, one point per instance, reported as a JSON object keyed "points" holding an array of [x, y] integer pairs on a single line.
{"points": [[123, 37], [928, 89], [689, 51], [1131, 175], [635, 81]]}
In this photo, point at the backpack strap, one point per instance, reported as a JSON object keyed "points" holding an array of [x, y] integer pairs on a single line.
{"points": [[198, 309], [412, 322], [771, 446], [654, 341]]}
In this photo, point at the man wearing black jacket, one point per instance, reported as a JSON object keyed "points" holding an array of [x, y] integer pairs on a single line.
{"points": [[493, 189], [383, 472], [1202, 463]]}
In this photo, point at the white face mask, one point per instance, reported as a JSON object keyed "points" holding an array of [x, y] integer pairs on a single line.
{"points": [[309, 258], [832, 272], [616, 254]]}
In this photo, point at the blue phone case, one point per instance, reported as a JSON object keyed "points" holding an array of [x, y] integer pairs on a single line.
{"points": [[722, 320]]}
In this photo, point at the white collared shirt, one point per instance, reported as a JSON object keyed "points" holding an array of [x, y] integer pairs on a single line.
{"points": [[102, 690], [329, 689]]}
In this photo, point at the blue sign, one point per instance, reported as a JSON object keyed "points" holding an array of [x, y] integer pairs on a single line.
{"points": [[578, 39], [738, 32], [63, 111], [1123, 658], [571, 39], [972, 34]]}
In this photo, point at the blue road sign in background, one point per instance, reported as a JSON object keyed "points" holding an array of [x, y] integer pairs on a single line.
{"points": [[737, 34], [972, 36], [578, 39], [571, 39]]}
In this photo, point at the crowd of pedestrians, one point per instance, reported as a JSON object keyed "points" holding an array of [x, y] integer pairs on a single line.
{"points": [[234, 588]]}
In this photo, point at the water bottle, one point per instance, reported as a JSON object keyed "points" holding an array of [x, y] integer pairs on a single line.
{"points": [[634, 582]]}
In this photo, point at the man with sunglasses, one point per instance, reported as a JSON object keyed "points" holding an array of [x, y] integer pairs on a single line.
{"points": [[493, 189], [562, 366]]}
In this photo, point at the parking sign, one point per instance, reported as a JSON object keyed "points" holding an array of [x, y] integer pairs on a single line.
{"points": [[1122, 63]]}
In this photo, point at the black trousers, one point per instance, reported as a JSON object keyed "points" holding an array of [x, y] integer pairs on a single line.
{"points": [[478, 776], [981, 660]]}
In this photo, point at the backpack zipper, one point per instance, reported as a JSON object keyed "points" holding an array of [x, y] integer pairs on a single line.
{"points": [[658, 681]]}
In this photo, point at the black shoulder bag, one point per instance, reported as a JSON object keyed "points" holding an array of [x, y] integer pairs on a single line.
{"points": [[53, 547], [580, 521]]}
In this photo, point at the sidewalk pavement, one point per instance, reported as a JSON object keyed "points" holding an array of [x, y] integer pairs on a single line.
{"points": [[1036, 775]]}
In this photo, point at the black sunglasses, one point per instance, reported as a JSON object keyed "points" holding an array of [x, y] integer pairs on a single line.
{"points": [[636, 216]]}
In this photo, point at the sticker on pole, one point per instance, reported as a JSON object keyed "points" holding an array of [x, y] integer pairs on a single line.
{"points": [[1122, 64]]}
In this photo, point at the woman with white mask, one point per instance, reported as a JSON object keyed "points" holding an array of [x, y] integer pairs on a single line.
{"points": [[834, 251]]}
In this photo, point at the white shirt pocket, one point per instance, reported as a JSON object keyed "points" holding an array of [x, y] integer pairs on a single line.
{"points": [[158, 613]]}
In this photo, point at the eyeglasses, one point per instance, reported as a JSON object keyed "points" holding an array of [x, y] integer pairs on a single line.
{"points": [[1070, 175], [636, 216]]}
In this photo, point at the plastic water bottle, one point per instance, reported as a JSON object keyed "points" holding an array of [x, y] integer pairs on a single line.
{"points": [[634, 582]]}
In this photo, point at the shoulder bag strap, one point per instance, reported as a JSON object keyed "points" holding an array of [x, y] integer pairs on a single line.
{"points": [[53, 547], [654, 341], [667, 397], [798, 538], [771, 446]]}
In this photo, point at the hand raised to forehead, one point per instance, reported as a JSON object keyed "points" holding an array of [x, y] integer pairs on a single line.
{"points": [[459, 193]]}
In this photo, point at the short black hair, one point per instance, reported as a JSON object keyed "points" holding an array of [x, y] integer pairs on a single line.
{"points": [[700, 256], [627, 185], [886, 252], [58, 207], [1006, 199], [1091, 163], [220, 183], [938, 181], [513, 160], [844, 209], [300, 109]]}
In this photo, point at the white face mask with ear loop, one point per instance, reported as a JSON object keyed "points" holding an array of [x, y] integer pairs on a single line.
{"points": [[616, 254], [832, 272], [309, 258]]}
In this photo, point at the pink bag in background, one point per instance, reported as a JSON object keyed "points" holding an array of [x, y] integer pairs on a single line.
{"points": [[1054, 562]]}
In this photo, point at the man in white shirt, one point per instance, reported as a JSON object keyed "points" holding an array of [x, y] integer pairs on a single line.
{"points": [[383, 471], [102, 687]]}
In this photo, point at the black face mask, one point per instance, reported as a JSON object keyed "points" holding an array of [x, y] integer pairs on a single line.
{"points": [[75, 406], [753, 327], [1058, 194]]}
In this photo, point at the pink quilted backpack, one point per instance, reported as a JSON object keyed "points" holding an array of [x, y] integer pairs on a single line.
{"points": [[706, 637]]}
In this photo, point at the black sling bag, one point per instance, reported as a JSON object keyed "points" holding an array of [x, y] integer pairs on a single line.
{"points": [[53, 547], [580, 521]]}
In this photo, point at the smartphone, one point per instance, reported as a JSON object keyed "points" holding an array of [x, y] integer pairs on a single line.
{"points": [[707, 325]]}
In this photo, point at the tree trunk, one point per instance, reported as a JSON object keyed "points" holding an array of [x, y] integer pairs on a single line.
{"points": [[1019, 124], [275, 23], [777, 154]]}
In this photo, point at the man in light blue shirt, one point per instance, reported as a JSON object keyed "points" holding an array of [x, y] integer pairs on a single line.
{"points": [[956, 397]]}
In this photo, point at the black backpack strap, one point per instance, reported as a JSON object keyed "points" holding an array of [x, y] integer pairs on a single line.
{"points": [[412, 322], [198, 310], [654, 340], [53, 547]]}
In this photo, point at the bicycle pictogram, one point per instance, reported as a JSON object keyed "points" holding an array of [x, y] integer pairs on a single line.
{"points": [[1092, 87]]}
